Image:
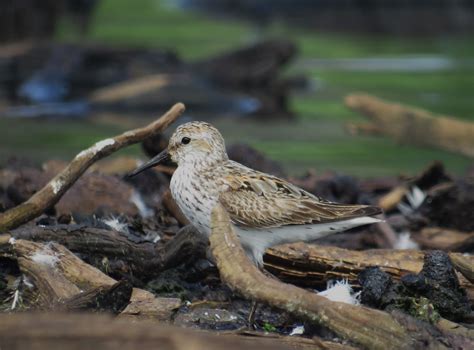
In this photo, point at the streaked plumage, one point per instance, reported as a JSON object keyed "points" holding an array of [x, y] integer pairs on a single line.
{"points": [[264, 209]]}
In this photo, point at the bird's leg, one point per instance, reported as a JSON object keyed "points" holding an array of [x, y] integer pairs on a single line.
{"points": [[252, 313]]}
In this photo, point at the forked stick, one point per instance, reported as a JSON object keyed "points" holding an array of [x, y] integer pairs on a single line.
{"points": [[50, 194]]}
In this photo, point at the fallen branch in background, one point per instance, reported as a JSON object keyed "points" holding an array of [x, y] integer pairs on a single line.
{"points": [[370, 328], [443, 238], [130, 88], [414, 125], [49, 195]]}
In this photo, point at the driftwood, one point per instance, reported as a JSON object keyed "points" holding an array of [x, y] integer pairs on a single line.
{"points": [[136, 259], [313, 265], [414, 125], [49, 195], [369, 328], [442, 238], [62, 281], [83, 332]]}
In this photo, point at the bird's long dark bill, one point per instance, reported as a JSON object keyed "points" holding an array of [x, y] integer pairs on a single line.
{"points": [[162, 157]]}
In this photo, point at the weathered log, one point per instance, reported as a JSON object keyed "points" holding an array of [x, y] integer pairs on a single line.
{"points": [[60, 278], [415, 125], [49, 195], [57, 274], [145, 260], [84, 331], [442, 238], [313, 265], [370, 328]]}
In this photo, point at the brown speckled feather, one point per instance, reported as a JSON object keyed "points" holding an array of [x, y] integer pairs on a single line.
{"points": [[259, 200]]}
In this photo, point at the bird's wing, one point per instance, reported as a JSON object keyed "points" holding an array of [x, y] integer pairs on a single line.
{"points": [[259, 200]]}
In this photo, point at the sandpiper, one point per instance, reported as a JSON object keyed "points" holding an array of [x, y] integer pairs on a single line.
{"points": [[265, 210]]}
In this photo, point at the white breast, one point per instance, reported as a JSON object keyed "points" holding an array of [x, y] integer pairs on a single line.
{"points": [[195, 197]]}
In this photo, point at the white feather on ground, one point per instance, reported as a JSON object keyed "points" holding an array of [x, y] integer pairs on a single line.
{"points": [[404, 241], [341, 291]]}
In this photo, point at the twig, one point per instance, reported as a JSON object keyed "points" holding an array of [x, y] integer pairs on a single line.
{"points": [[370, 328], [53, 191]]}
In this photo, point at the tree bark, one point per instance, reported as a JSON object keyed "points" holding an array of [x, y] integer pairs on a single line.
{"points": [[312, 265]]}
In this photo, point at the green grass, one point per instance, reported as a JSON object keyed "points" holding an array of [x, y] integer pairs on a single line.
{"points": [[150, 23], [317, 138], [39, 140], [352, 156]]}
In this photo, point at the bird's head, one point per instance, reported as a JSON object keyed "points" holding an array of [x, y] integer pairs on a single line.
{"points": [[195, 143]]}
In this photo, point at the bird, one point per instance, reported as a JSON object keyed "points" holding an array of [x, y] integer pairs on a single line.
{"points": [[264, 210]]}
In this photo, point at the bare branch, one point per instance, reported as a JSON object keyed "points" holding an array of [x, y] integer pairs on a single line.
{"points": [[53, 191]]}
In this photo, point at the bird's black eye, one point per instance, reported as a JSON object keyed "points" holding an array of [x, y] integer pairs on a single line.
{"points": [[185, 140]]}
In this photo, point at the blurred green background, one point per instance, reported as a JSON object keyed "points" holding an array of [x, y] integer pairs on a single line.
{"points": [[317, 138]]}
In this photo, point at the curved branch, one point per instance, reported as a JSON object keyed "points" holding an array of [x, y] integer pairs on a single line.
{"points": [[50, 194], [370, 328]]}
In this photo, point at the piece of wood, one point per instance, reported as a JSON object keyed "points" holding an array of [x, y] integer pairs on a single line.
{"points": [[312, 265], [144, 305], [441, 238], [50, 194], [96, 244], [142, 260], [130, 88], [57, 274], [390, 200], [414, 125], [369, 328], [94, 331], [64, 282]]}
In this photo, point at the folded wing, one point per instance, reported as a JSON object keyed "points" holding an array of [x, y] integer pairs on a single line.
{"points": [[259, 200]]}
